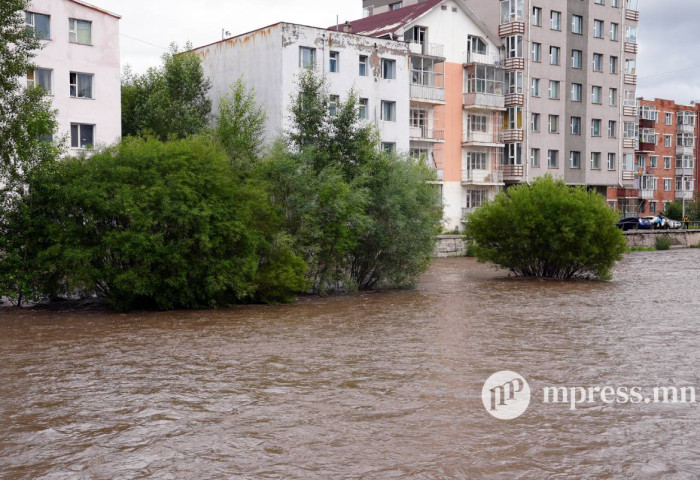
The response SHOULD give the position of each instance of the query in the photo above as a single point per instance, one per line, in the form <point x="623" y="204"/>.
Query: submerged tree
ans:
<point x="168" y="102"/>
<point x="547" y="229"/>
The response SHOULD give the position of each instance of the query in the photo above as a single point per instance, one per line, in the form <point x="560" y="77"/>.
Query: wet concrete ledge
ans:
<point x="679" y="238"/>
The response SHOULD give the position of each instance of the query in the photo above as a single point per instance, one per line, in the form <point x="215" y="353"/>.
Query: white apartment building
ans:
<point x="79" y="67"/>
<point x="270" y="59"/>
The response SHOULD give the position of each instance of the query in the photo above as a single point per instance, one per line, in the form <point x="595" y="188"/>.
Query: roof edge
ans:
<point x="93" y="7"/>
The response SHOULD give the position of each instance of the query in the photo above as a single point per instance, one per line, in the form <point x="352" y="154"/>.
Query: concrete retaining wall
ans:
<point x="450" y="246"/>
<point x="679" y="238"/>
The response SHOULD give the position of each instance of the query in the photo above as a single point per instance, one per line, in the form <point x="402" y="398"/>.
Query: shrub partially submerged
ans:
<point x="547" y="229"/>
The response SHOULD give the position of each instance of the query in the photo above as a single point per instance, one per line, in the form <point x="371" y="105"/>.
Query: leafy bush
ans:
<point x="674" y="211"/>
<point x="547" y="229"/>
<point x="663" y="242"/>
<point x="158" y="224"/>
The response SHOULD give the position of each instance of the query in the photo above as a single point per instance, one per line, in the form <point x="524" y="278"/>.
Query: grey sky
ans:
<point x="668" y="62"/>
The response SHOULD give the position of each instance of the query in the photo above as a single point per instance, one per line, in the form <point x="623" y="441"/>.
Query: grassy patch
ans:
<point x="663" y="242"/>
<point x="640" y="249"/>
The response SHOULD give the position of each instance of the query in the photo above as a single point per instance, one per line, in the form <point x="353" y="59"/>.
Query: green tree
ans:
<point x="674" y="211"/>
<point x="547" y="229"/>
<point x="158" y="224"/>
<point x="240" y="127"/>
<point x="168" y="102"/>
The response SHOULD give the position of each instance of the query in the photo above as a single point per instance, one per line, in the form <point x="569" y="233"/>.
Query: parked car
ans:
<point x="656" y="224"/>
<point x="674" y="224"/>
<point x="634" y="223"/>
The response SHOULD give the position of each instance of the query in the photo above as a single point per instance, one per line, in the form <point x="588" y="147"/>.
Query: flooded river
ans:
<point x="373" y="386"/>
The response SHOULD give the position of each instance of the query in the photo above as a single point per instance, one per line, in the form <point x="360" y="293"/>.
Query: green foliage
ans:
<point x="154" y="224"/>
<point x="663" y="242"/>
<point x="674" y="211"/>
<point x="547" y="229"/>
<point x="26" y="118"/>
<point x="641" y="249"/>
<point x="240" y="126"/>
<point x="167" y="102"/>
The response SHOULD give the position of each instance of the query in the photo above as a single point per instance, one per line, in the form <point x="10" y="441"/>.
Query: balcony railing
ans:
<point x="630" y="79"/>
<point x="683" y="150"/>
<point x="484" y="100"/>
<point x="684" y="171"/>
<point x="514" y="63"/>
<point x="484" y="58"/>
<point x="511" y="136"/>
<point x="511" y="28"/>
<point x="646" y="193"/>
<point x="631" y="47"/>
<point x="514" y="100"/>
<point x="686" y="128"/>
<point x="427" y="49"/>
<point x="427" y="93"/>
<point x="512" y="171"/>
<point x="632" y="15"/>
<point x="684" y="194"/>
<point x="425" y="133"/>
<point x="491" y="138"/>
<point x="482" y="177"/>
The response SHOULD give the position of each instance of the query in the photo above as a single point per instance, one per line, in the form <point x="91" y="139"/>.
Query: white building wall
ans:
<point x="100" y="59"/>
<point x="268" y="60"/>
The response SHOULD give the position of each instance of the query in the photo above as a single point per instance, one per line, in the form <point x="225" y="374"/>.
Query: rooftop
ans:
<point x="388" y="22"/>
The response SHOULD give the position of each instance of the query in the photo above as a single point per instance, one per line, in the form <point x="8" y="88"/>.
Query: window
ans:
<point x="553" y="125"/>
<point x="600" y="2"/>
<point x="554" y="89"/>
<point x="669" y="118"/>
<point x="576" y="58"/>
<point x="477" y="123"/>
<point x="81" y="85"/>
<point x="630" y="66"/>
<point x="576" y="92"/>
<point x="364" y="65"/>
<point x="307" y="57"/>
<point x="612" y="129"/>
<point x="554" y="55"/>
<point x="577" y="24"/>
<point x="597" y="62"/>
<point x="615" y="3"/>
<point x="537" y="16"/>
<point x="514" y="118"/>
<point x="535" y="122"/>
<point x="535" y="157"/>
<point x="614" y="32"/>
<point x="596" y="94"/>
<point x="612" y="97"/>
<point x="388" y="147"/>
<point x="388" y="111"/>
<point x="614" y="65"/>
<point x="334" y="62"/>
<point x="388" y="69"/>
<point x="475" y="44"/>
<point x="363" y="105"/>
<point x="575" y="125"/>
<point x="41" y="24"/>
<point x="553" y="159"/>
<point x="476" y="198"/>
<point x="667" y="184"/>
<point x="511" y="11"/>
<point x="333" y="105"/>
<point x="514" y="154"/>
<point x="535" y="87"/>
<point x="652" y="206"/>
<point x="41" y="77"/>
<point x="667" y="140"/>
<point x="395" y="5"/>
<point x="654" y="161"/>
<point x="611" y="161"/>
<point x="595" y="160"/>
<point x="536" y="52"/>
<point x="667" y="163"/>
<point x="514" y="81"/>
<point x="555" y="20"/>
<point x="686" y="118"/>
<point x="514" y="46"/>
<point x="630" y="130"/>
<point x="595" y="127"/>
<point x="631" y="34"/>
<point x="628" y="162"/>
<point x="81" y="135"/>
<point x="79" y="31"/>
<point x="598" y="28"/>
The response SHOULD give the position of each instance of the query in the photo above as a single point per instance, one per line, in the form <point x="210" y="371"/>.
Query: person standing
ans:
<point x="686" y="222"/>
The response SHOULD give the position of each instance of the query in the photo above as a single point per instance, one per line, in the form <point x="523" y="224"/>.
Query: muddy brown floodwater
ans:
<point x="374" y="386"/>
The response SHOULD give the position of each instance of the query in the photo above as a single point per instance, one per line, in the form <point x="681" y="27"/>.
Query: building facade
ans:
<point x="270" y="59"/>
<point x="666" y="155"/>
<point x="570" y="89"/>
<point x="79" y="67"/>
<point x="457" y="96"/>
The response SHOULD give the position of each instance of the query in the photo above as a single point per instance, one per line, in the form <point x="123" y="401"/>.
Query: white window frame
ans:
<point x="80" y="128"/>
<point x="73" y="31"/>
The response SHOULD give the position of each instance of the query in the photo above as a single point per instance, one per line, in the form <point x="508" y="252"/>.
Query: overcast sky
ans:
<point x="668" y="63"/>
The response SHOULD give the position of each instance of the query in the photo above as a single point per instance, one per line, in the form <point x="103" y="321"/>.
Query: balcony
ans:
<point x="684" y="194"/>
<point x="485" y="59"/>
<point x="428" y="94"/>
<point x="646" y="194"/>
<point x="684" y="171"/>
<point x="683" y="150"/>
<point x="484" y="139"/>
<point x="630" y="79"/>
<point x="628" y="175"/>
<point x="685" y="128"/>
<point x="511" y="136"/>
<point x="427" y="49"/>
<point x="632" y="15"/>
<point x="514" y="100"/>
<point x="482" y="177"/>
<point x="484" y="101"/>
<point x="425" y="134"/>
<point x="630" y="143"/>
<point x="631" y="47"/>
<point x="514" y="63"/>
<point x="513" y="172"/>
<point x="511" y="28"/>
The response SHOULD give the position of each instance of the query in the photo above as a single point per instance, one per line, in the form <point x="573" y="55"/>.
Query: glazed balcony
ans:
<point x="685" y="128"/>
